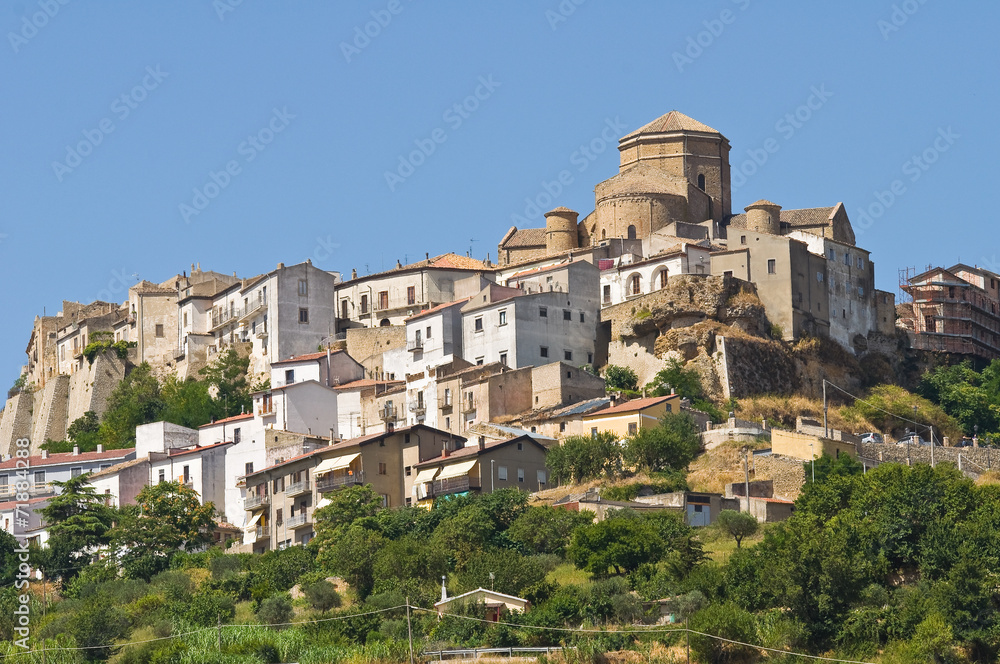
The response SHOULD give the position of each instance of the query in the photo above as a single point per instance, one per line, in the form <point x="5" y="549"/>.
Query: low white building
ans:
<point x="629" y="276"/>
<point x="44" y="469"/>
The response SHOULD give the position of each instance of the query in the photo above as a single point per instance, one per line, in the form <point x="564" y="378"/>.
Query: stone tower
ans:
<point x="560" y="230"/>
<point x="764" y="217"/>
<point x="673" y="170"/>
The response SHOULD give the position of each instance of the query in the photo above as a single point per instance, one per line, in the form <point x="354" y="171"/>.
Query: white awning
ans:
<point x="323" y="502"/>
<point x="252" y="524"/>
<point x="425" y="475"/>
<point x="457" y="469"/>
<point x="336" y="463"/>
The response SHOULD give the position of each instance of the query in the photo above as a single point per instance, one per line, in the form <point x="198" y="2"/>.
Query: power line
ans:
<point x="881" y="410"/>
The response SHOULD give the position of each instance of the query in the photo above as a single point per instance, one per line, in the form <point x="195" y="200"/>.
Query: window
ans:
<point x="427" y="334"/>
<point x="162" y="476"/>
<point x="607" y="294"/>
<point x="382" y="469"/>
<point x="833" y="254"/>
<point x="408" y="471"/>
<point x="187" y="474"/>
<point x="480" y="361"/>
<point x="76" y="472"/>
<point x="105" y="466"/>
<point x="503" y="358"/>
<point x="248" y="468"/>
<point x="520" y="475"/>
<point x="663" y="278"/>
<point x="289" y="376"/>
<point x="861" y="291"/>
<point x="447" y="423"/>
<point x="501" y="472"/>
<point x="727" y="273"/>
<point x="364" y="304"/>
<point x="701" y="181"/>
<point x="343" y="309"/>
<point x="583" y="317"/>
<point x="278" y="519"/>
<point x="385" y="499"/>
<point x="544" y="351"/>
<point x="562" y="426"/>
<point x="590" y="358"/>
<point x="632" y="428"/>
<point x="236" y="436"/>
<point x="303" y="315"/>
<point x="503" y="317"/>
<point x="159" y="330"/>
<point x="411" y="295"/>
<point x="567" y="314"/>
<point x="383" y="299"/>
<point x="771" y="266"/>
<point x="479" y="324"/>
<point x="303" y="288"/>
<point x="541" y="477"/>
<point x="847" y="258"/>
<point x="185" y="319"/>
<point x="278" y="485"/>
<point x="447" y="396"/>
<point x="543" y="312"/>
<point x="861" y="263"/>
<point x="670" y="408"/>
<point x="631" y="232"/>
<point x="568" y="355"/>
<point x="743" y="239"/>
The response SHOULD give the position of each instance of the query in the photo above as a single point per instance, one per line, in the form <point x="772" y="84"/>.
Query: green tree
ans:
<point x="83" y="432"/>
<point x="620" y="378"/>
<point x="228" y="375"/>
<point x="684" y="382"/>
<point x="544" y="529"/>
<point x="352" y="555"/>
<point x="581" y="458"/>
<point x="79" y="523"/>
<point x="276" y="610"/>
<point x="512" y="573"/>
<point x="346" y="506"/>
<point x="737" y="525"/>
<point x="188" y="402"/>
<point x="620" y="543"/>
<point x="322" y="595"/>
<point x="135" y="400"/>
<point x="970" y="397"/>
<point x="166" y="518"/>
<point x="671" y="445"/>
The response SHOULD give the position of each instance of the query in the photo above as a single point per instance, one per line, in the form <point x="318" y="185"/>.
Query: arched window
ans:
<point x="701" y="181"/>
<point x="631" y="232"/>
<point x="384" y="323"/>
<point x="663" y="278"/>
<point x="634" y="285"/>
<point x="604" y="233"/>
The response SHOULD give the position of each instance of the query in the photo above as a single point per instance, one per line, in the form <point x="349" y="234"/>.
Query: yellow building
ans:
<point x="807" y="447"/>
<point x="626" y="419"/>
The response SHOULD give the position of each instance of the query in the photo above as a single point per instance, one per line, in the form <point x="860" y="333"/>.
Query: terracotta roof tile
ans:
<point x="234" y="418"/>
<point x="672" y="121"/>
<point x="526" y="237"/>
<point x="68" y="457"/>
<point x="435" y="309"/>
<point x="634" y="405"/>
<point x="794" y="218"/>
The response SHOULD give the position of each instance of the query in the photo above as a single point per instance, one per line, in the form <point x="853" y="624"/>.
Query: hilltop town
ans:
<point x="761" y="329"/>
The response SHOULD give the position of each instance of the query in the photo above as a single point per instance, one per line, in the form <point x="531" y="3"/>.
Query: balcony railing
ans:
<point x="262" y="532"/>
<point x="254" y="501"/>
<point x="36" y="489"/>
<point x="469" y="405"/>
<point x="297" y="521"/>
<point x="297" y="488"/>
<point x="415" y="345"/>
<point x="418" y="407"/>
<point x="388" y="414"/>
<point x="224" y="317"/>
<point x="264" y="411"/>
<point x="452" y="485"/>
<point x="332" y="483"/>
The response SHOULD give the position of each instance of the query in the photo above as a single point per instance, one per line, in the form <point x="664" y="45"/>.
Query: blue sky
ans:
<point x="117" y="115"/>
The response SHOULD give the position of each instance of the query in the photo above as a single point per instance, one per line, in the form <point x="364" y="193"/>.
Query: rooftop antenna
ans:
<point x="470" y="246"/>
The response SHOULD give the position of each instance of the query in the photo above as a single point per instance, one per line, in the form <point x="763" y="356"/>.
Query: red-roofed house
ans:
<point x="627" y="418"/>
<point x="46" y="468"/>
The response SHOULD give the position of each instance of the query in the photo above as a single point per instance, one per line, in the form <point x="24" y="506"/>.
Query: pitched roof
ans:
<point x="307" y="357"/>
<point x="176" y="452"/>
<point x="367" y="382"/>
<point x="821" y="216"/>
<point x="234" y="418"/>
<point x="473" y="450"/>
<point x="634" y="405"/>
<point x="118" y="467"/>
<point x="762" y="203"/>
<point x="672" y="121"/>
<point x="433" y="310"/>
<point x="525" y="237"/>
<point x="68" y="457"/>
<point x="448" y="261"/>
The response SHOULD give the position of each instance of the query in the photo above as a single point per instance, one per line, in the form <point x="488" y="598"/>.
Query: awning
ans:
<point x="253" y="522"/>
<point x="336" y="463"/>
<point x="323" y="502"/>
<point x="425" y="475"/>
<point x="457" y="470"/>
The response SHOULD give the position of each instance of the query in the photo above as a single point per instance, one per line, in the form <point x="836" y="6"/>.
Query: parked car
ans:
<point x="871" y="438"/>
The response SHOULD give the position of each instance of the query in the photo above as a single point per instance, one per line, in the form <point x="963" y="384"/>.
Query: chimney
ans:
<point x="76" y="450"/>
<point x="482" y="443"/>
<point x="398" y="264"/>
<point x="45" y="454"/>
<point x="100" y="447"/>
<point x="354" y="273"/>
<point x="427" y="255"/>
<point x="281" y="266"/>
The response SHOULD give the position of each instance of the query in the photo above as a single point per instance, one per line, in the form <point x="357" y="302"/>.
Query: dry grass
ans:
<point x="744" y="298"/>
<point x="783" y="410"/>
<point x="989" y="477"/>
<point x="549" y="496"/>
<point x="713" y="470"/>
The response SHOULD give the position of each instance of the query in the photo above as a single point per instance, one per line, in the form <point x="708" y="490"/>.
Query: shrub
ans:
<point x="276" y="610"/>
<point x="620" y="378"/>
<point x="321" y="595"/>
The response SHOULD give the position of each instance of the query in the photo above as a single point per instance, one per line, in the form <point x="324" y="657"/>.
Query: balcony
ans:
<point x="254" y="501"/>
<point x="469" y="405"/>
<point x="297" y="521"/>
<point x="223" y="318"/>
<point x="388" y="414"/>
<point x="446" y="404"/>
<point x="9" y="491"/>
<point x="298" y="488"/>
<point x="415" y="345"/>
<point x="253" y="308"/>
<point x="262" y="533"/>
<point x="418" y="408"/>
<point x="187" y="483"/>
<point x="332" y="483"/>
<point x="452" y="485"/>
<point x="265" y="411"/>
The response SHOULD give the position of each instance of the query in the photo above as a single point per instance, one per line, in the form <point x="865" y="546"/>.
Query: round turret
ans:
<point x="763" y="217"/>
<point x="560" y="230"/>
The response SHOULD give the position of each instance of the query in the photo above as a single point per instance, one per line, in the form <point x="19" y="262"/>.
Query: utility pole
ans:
<point x="409" y="629"/>
<point x="932" y="446"/>
<point x="746" y="470"/>
<point x="826" y="428"/>
<point x="687" y="629"/>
